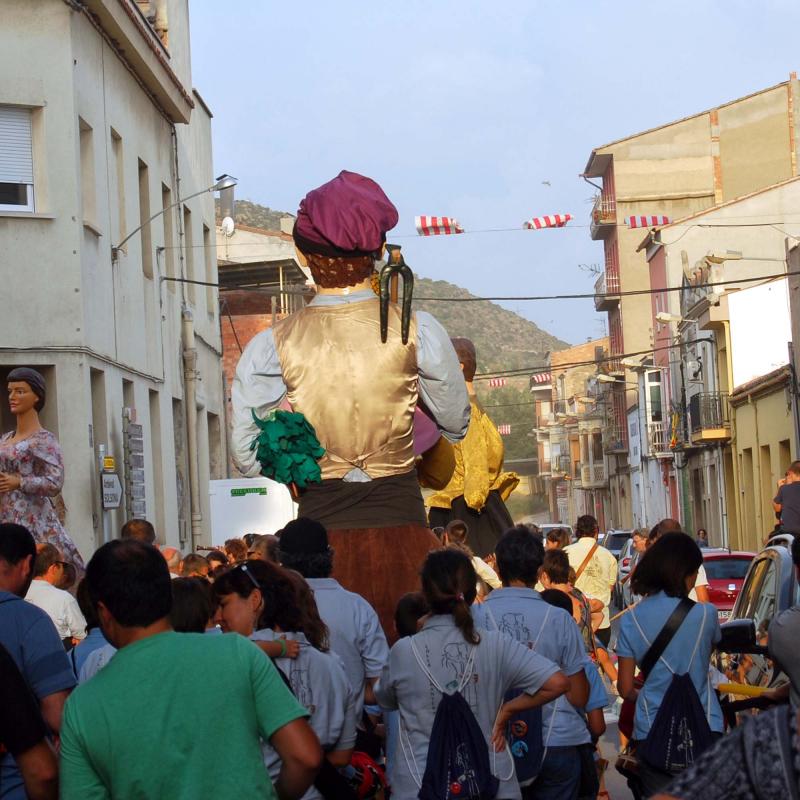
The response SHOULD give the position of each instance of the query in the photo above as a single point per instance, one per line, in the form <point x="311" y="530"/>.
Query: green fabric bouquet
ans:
<point x="287" y="448"/>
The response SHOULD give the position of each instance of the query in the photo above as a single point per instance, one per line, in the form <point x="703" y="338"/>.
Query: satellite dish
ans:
<point x="228" y="226"/>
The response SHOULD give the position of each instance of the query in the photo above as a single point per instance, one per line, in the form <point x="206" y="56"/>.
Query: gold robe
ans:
<point x="479" y="465"/>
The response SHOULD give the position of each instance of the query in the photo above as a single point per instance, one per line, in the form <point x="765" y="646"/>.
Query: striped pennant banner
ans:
<point x="437" y="226"/>
<point x="495" y="383"/>
<point x="504" y="430"/>
<point x="646" y="221"/>
<point x="549" y="221"/>
<point x="540" y="377"/>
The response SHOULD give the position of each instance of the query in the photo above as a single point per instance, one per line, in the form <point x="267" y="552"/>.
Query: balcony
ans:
<point x="710" y="415"/>
<point x="615" y="438"/>
<point x="560" y="408"/>
<point x="544" y="467"/>
<point x="593" y="476"/>
<point x="658" y="439"/>
<point x="606" y="291"/>
<point x="604" y="216"/>
<point x="562" y="465"/>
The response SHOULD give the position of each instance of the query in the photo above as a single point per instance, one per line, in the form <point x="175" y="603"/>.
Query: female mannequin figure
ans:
<point x="32" y="467"/>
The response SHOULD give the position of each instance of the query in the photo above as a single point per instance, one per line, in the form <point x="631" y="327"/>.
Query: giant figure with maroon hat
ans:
<point x="328" y="362"/>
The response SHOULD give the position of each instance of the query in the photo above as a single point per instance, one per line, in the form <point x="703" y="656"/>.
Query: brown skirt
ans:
<point x="381" y="564"/>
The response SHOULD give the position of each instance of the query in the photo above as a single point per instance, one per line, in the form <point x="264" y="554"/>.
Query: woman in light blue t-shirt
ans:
<point x="664" y="576"/>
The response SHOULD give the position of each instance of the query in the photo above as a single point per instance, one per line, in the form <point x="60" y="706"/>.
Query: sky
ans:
<point x="484" y="111"/>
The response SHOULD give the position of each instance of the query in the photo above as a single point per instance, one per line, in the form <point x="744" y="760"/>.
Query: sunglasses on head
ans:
<point x="243" y="568"/>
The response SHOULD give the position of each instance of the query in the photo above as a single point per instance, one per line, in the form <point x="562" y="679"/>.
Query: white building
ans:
<point x="100" y="129"/>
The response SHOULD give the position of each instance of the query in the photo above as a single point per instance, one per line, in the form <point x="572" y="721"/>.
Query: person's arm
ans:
<point x="626" y="669"/>
<point x="52" y="708"/>
<point x="441" y="382"/>
<point x="51" y="480"/>
<point x="78" y="776"/>
<point x="301" y="756"/>
<point x="556" y="685"/>
<point x="257" y="387"/>
<point x="572" y="658"/>
<point x="274" y="649"/>
<point x="75" y="620"/>
<point x="701" y="585"/>
<point x="372" y="645"/>
<point x="596" y="723"/>
<point x="39" y="769"/>
<point x="486" y="573"/>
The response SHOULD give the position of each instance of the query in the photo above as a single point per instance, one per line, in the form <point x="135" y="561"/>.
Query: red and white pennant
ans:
<point x="504" y="430"/>
<point x="646" y="221"/>
<point x="549" y="221"/>
<point x="496" y="383"/>
<point x="437" y="226"/>
<point x="540" y="377"/>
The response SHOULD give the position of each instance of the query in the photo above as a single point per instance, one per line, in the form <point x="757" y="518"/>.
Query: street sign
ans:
<point x="109" y="464"/>
<point x="138" y="508"/>
<point x="112" y="490"/>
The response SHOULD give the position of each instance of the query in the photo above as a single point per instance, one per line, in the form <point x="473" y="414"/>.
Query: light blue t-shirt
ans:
<point x="689" y="651"/>
<point x="598" y="696"/>
<point x="94" y="641"/>
<point x="355" y="633"/>
<point x="553" y="634"/>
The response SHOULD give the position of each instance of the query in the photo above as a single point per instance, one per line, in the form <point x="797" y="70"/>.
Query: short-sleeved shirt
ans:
<point x="94" y="641"/>
<point x="60" y="606"/>
<point x="500" y="663"/>
<point x="550" y="632"/>
<point x="598" y="696"/>
<point x="320" y="685"/>
<point x="789" y="499"/>
<point x="21" y="723"/>
<point x="681" y="656"/>
<point x="33" y="642"/>
<point x="598" y="576"/>
<point x="355" y="633"/>
<point x="782" y="642"/>
<point x="175" y="715"/>
<point x="701" y="580"/>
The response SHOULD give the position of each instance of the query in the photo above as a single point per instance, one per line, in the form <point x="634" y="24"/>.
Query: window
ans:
<point x="16" y="159"/>
<point x="188" y="245"/>
<point x="209" y="251"/>
<point x="169" y="234"/>
<point x="88" y="189"/>
<point x="146" y="232"/>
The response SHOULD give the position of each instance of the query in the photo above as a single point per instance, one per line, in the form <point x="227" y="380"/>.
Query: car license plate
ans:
<point x="724" y="614"/>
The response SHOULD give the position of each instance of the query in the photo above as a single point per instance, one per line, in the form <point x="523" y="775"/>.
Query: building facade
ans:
<point x="99" y="132"/>
<point x="676" y="170"/>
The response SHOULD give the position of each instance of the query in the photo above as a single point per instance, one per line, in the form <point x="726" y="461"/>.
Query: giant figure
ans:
<point x="327" y="361"/>
<point x="478" y="489"/>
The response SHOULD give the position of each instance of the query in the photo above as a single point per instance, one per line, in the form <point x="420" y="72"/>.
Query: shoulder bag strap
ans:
<point x="586" y="560"/>
<point x="665" y="635"/>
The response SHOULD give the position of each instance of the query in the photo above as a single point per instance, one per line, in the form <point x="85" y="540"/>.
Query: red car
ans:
<point x="725" y="571"/>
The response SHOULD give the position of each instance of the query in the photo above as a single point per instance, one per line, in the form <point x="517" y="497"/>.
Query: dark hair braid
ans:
<point x="448" y="582"/>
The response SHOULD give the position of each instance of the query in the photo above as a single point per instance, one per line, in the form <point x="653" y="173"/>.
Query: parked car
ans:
<point x="769" y="587"/>
<point x="549" y="526"/>
<point x="615" y="540"/>
<point x="725" y="571"/>
<point x="621" y="596"/>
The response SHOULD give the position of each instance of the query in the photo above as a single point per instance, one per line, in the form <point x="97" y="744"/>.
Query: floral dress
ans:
<point x="39" y="463"/>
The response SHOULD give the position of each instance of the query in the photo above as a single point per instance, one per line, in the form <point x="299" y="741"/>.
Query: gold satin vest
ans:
<point x="357" y="392"/>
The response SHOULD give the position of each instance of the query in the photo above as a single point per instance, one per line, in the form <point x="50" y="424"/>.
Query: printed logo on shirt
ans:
<point x="513" y="625"/>
<point x="301" y="686"/>
<point x="454" y="658"/>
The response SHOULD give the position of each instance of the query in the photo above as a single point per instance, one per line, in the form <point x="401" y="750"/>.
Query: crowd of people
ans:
<point x="144" y="683"/>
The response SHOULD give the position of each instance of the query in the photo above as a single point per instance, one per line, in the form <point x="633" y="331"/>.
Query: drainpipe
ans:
<point x="737" y="500"/>
<point x="190" y="399"/>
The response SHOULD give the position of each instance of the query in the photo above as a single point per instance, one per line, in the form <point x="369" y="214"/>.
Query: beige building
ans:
<point x="569" y="431"/>
<point x="677" y="170"/>
<point x="100" y="130"/>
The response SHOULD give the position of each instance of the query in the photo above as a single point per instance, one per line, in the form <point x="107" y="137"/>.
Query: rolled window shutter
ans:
<point x="16" y="158"/>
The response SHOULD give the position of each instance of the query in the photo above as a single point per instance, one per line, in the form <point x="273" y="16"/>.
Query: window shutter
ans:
<point x="16" y="159"/>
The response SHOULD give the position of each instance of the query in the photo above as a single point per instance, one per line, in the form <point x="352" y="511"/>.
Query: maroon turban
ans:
<point x="348" y="216"/>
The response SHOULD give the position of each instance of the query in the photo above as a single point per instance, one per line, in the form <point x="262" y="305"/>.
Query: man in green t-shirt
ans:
<point x="176" y="715"/>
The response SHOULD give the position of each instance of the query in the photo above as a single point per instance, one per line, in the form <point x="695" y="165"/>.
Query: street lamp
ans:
<point x="222" y="182"/>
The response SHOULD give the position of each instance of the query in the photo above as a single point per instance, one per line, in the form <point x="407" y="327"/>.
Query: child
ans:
<point x="455" y="535"/>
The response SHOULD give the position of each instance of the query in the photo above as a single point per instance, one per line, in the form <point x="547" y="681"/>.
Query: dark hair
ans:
<point x="216" y="555"/>
<point x="519" y="555"/>
<point x="281" y="598"/>
<point x="139" y="529"/>
<point x="586" y="526"/>
<point x="309" y="565"/>
<point x="191" y="563"/>
<point x="131" y="579"/>
<point x="448" y="582"/>
<point x="86" y="606"/>
<point x="796" y="551"/>
<point x="191" y="607"/>
<point x="666" y="564"/>
<point x="46" y="555"/>
<point x="667" y="525"/>
<point x="249" y="538"/>
<point x="236" y="548"/>
<point x="557" y="598"/>
<point x="556" y="565"/>
<point x="267" y="546"/>
<point x="315" y="629"/>
<point x="411" y="607"/>
<point x="558" y="535"/>
<point x="68" y="576"/>
<point x="455" y="535"/>
<point x="465" y="350"/>
<point x="16" y="543"/>
<point x="794" y="468"/>
<point x="702" y="530"/>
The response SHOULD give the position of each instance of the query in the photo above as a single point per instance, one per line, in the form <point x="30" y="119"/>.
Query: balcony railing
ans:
<point x="562" y="464"/>
<point x="544" y="467"/>
<point x="710" y="415"/>
<point x="615" y="438"/>
<point x="560" y="407"/>
<point x="593" y="475"/>
<point x="604" y="214"/>
<point x="606" y="290"/>
<point x="658" y="439"/>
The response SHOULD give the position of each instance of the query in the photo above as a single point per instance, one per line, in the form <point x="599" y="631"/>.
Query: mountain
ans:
<point x="255" y="215"/>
